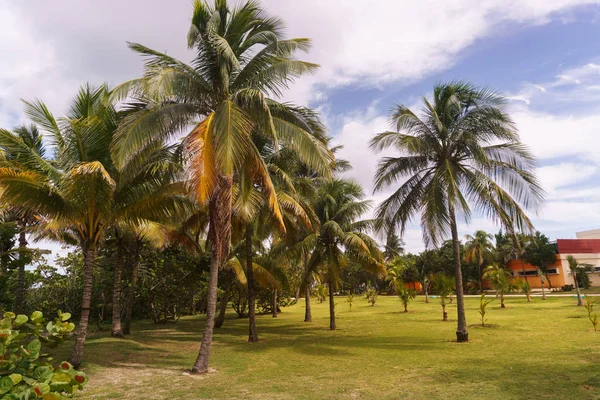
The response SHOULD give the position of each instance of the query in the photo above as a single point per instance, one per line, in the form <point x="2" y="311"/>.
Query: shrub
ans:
<point x="350" y="299"/>
<point x="567" y="288"/>
<point x="26" y="372"/>
<point x="583" y="281"/>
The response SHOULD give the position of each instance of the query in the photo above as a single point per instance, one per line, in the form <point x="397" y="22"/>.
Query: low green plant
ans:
<point x="371" y="296"/>
<point x="526" y="288"/>
<point x="350" y="299"/>
<point x="25" y="372"/>
<point x="406" y="295"/>
<point x="483" y="303"/>
<point x="589" y="306"/>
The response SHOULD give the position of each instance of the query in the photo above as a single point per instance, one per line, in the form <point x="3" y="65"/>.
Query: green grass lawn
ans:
<point x="541" y="350"/>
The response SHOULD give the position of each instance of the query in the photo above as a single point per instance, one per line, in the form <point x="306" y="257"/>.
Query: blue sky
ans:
<point x="544" y="55"/>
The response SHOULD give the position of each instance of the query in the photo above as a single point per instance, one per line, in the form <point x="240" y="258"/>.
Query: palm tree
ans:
<point x="443" y="285"/>
<point x="462" y="152"/>
<point x="241" y="59"/>
<point x="478" y="248"/>
<point x="501" y="280"/>
<point x="341" y="236"/>
<point x="394" y="247"/>
<point x="395" y="273"/>
<point x="78" y="194"/>
<point x="575" y="266"/>
<point x="541" y="254"/>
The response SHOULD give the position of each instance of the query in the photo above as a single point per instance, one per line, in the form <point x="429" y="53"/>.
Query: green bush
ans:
<point x="27" y="373"/>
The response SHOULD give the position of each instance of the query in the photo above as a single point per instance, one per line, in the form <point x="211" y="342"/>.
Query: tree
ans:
<point x="395" y="272"/>
<point x="463" y="152"/>
<point x="241" y="58"/>
<point x="406" y="295"/>
<point x="479" y="249"/>
<point x="575" y="267"/>
<point x="443" y="285"/>
<point x="394" y="247"/>
<point x="341" y="236"/>
<point x="79" y="194"/>
<point x="511" y="246"/>
<point x="501" y="281"/>
<point x="541" y="254"/>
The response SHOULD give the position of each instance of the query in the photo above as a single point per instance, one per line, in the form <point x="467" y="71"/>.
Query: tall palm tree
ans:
<point x="462" y="152"/>
<point x="241" y="59"/>
<point x="78" y="193"/>
<point x="341" y="236"/>
<point x="394" y="247"/>
<point x="479" y="248"/>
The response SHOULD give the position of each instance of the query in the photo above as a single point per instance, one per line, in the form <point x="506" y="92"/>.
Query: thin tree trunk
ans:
<point x="274" y="302"/>
<point x="220" y="235"/>
<point x="502" y="301"/>
<point x="252" y="333"/>
<point x="405" y="307"/>
<point x="523" y="268"/>
<point x="579" y="301"/>
<point x="20" y="292"/>
<point x="529" y="297"/>
<point x="481" y="278"/>
<point x="132" y="288"/>
<point x="331" y="306"/>
<point x="543" y="290"/>
<point x="444" y="312"/>
<point x="307" y="311"/>
<point x="224" y="301"/>
<point x="89" y="259"/>
<point x="426" y="294"/>
<point x="117" y="331"/>
<point x="461" y="332"/>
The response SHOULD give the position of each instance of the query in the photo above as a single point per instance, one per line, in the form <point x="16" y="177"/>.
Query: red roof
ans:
<point x="578" y="246"/>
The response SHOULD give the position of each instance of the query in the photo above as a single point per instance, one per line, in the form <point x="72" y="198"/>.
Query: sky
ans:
<point x="543" y="55"/>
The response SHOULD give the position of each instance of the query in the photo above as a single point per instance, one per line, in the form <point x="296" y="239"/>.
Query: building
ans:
<point x="586" y="249"/>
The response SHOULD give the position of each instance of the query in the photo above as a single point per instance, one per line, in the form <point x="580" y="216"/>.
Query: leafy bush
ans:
<point x="25" y="372"/>
<point x="567" y="288"/>
<point x="350" y="299"/>
<point x="583" y="281"/>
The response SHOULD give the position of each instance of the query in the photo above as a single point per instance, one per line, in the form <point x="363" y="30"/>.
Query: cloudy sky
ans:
<point x="544" y="55"/>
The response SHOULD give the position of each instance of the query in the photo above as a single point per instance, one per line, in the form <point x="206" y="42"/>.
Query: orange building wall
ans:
<point x="557" y="280"/>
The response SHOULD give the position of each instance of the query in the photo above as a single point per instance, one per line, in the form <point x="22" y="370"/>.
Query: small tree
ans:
<point x="406" y="295"/>
<point x="575" y="267"/>
<point x="541" y="254"/>
<point x="350" y="300"/>
<point x="501" y="281"/>
<point x="322" y="292"/>
<point x="589" y="306"/>
<point x="444" y="287"/>
<point x="483" y="303"/>
<point x="371" y="296"/>
<point x="526" y="288"/>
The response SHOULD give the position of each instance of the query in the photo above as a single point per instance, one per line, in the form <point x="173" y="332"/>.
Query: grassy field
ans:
<point x="542" y="350"/>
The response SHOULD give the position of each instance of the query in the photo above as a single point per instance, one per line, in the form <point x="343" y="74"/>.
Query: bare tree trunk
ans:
<point x="481" y="278"/>
<point x="444" y="312"/>
<point x="461" y="332"/>
<point x="252" y="333"/>
<point x="224" y="301"/>
<point x="405" y="307"/>
<point x="117" y="331"/>
<point x="331" y="306"/>
<point x="579" y="301"/>
<point x="543" y="289"/>
<point x="20" y="292"/>
<point x="502" y="300"/>
<point x="426" y="295"/>
<point x="132" y="288"/>
<point x="89" y="259"/>
<point x="307" y="311"/>
<point x="523" y="268"/>
<point x="274" y="302"/>
<point x="220" y="235"/>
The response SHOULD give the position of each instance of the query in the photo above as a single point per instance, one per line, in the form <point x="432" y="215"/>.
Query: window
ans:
<point x="533" y="272"/>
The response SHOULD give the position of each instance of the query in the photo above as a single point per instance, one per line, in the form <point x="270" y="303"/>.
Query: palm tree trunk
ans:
<point x="117" y="331"/>
<point x="274" y="302"/>
<point x="426" y="293"/>
<point x="523" y="268"/>
<point x="461" y="332"/>
<point x="252" y="333"/>
<point x="132" y="288"/>
<point x="502" y="300"/>
<point x="579" y="301"/>
<point x="89" y="259"/>
<point x="444" y="312"/>
<point x="543" y="290"/>
<point x="331" y="306"/>
<point x="220" y="235"/>
<point x="307" y="311"/>
<point x="405" y="307"/>
<point x="481" y="278"/>
<point x="20" y="292"/>
<point x="224" y="301"/>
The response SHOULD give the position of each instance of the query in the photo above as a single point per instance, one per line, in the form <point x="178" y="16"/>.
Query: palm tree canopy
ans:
<point x="462" y="152"/>
<point x="226" y="95"/>
<point x="478" y="247"/>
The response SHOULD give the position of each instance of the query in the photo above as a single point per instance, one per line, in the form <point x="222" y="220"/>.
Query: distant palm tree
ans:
<point x="463" y="152"/>
<point x="479" y="248"/>
<point x="394" y="247"/>
<point x="443" y="285"/>
<point x="341" y="236"/>
<point x="242" y="62"/>
<point x="501" y="281"/>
